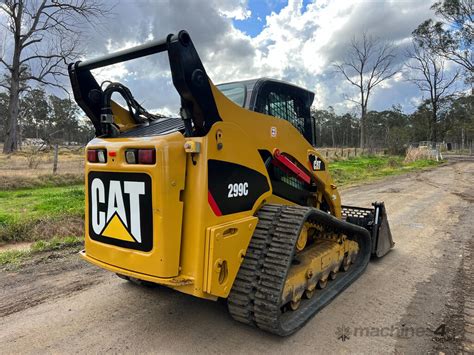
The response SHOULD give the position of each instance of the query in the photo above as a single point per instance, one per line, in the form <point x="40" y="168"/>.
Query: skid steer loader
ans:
<point x="230" y="200"/>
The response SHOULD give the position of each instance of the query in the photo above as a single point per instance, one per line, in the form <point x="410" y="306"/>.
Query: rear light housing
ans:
<point x="140" y="156"/>
<point x="97" y="155"/>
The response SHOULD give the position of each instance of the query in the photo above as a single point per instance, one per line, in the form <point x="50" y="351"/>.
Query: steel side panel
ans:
<point x="167" y="180"/>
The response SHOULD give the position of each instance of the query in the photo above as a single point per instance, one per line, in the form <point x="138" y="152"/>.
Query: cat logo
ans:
<point x="120" y="209"/>
<point x="315" y="163"/>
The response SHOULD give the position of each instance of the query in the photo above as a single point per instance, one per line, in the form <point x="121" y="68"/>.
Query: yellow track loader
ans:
<point x="230" y="200"/>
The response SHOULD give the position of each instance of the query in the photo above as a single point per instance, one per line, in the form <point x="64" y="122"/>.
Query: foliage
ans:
<point x="332" y="130"/>
<point x="366" y="168"/>
<point x="452" y="35"/>
<point x="41" y="37"/>
<point x="427" y="71"/>
<point x="51" y="118"/>
<point x="394" y="130"/>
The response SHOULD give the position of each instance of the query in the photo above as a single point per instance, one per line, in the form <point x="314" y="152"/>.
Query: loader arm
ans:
<point x="188" y="74"/>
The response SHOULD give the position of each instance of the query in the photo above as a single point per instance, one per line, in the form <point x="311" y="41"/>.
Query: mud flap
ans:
<point x="376" y="222"/>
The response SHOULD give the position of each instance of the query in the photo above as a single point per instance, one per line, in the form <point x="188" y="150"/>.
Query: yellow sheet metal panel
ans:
<point x="171" y="282"/>
<point x="270" y="133"/>
<point x="198" y="215"/>
<point x="110" y="241"/>
<point x="122" y="117"/>
<point x="226" y="244"/>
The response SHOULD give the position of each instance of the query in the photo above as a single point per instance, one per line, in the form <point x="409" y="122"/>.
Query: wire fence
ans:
<point x="345" y="152"/>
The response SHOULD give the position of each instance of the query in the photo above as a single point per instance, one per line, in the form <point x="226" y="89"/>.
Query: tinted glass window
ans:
<point x="234" y="92"/>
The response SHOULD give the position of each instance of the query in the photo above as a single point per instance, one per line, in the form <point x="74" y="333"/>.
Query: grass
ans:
<point x="16" y="257"/>
<point x="368" y="168"/>
<point x="33" y="214"/>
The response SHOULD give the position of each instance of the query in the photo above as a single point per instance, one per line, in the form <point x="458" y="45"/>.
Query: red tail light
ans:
<point x="140" y="156"/>
<point x="92" y="156"/>
<point x="146" y="156"/>
<point x="96" y="155"/>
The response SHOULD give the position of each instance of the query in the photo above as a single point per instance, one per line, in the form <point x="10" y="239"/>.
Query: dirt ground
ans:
<point x="58" y="304"/>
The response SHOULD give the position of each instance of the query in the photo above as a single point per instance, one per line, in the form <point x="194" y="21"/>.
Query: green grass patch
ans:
<point x="367" y="168"/>
<point x="13" y="256"/>
<point x="33" y="214"/>
<point x="16" y="257"/>
<point x="31" y="203"/>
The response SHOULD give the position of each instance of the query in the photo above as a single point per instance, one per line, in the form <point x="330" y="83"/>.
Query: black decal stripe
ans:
<point x="222" y="173"/>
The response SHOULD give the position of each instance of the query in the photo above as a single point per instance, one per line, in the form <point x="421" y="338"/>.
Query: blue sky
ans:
<point x="260" y="9"/>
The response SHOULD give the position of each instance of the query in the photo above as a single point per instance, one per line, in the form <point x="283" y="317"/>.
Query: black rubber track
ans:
<point x="255" y="298"/>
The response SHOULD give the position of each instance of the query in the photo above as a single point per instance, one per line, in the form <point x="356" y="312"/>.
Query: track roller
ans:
<point x="256" y="297"/>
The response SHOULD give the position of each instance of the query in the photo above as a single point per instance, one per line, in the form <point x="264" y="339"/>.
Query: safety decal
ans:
<point x="120" y="209"/>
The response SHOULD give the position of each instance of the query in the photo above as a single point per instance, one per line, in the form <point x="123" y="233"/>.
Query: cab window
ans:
<point x="234" y="91"/>
<point x="284" y="106"/>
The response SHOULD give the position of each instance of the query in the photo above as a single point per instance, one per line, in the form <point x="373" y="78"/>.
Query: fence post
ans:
<point x="55" y="161"/>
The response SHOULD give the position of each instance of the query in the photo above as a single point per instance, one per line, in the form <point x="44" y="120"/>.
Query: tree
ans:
<point x="332" y="130"/>
<point x="34" y="118"/>
<point x="64" y="115"/>
<point x="460" y="120"/>
<point x="427" y="72"/>
<point x="369" y="62"/>
<point x="388" y="129"/>
<point x="44" y="35"/>
<point x="453" y="36"/>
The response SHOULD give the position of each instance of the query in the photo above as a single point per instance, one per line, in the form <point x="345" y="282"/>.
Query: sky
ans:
<point x="294" y="40"/>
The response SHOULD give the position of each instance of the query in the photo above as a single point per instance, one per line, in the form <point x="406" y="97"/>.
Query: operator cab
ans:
<point x="276" y="98"/>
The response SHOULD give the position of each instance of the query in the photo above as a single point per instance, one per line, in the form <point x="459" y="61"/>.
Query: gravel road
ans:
<point x="59" y="304"/>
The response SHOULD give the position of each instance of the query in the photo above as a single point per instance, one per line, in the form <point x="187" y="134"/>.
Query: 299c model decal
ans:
<point x="120" y="209"/>
<point x="233" y="188"/>
<point x="237" y="190"/>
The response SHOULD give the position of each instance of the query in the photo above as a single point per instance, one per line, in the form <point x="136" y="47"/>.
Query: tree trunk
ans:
<point x="433" y="122"/>
<point x="332" y="135"/>
<point x="362" y="127"/>
<point x="55" y="161"/>
<point x="11" y="136"/>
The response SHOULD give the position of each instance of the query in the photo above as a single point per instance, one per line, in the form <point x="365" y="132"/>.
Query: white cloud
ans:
<point x="297" y="44"/>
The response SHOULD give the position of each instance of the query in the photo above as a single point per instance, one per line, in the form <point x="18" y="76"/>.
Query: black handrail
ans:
<point x="142" y="50"/>
<point x="188" y="74"/>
